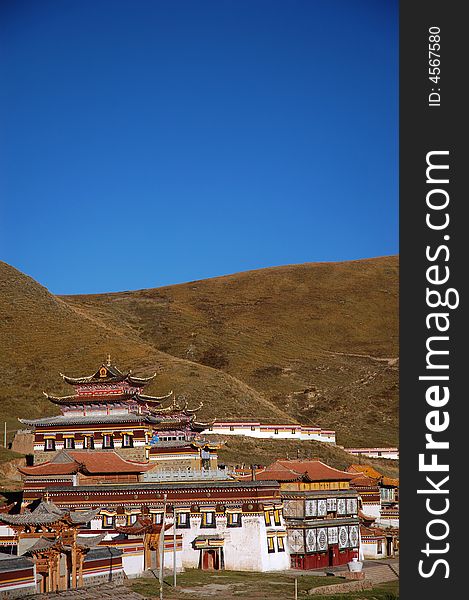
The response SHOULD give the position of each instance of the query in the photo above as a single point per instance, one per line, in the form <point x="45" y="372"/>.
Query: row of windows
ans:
<point x="232" y="428"/>
<point x="88" y="442"/>
<point x="271" y="543"/>
<point x="182" y="520"/>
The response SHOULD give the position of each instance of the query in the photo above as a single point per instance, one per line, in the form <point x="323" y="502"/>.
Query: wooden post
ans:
<point x="58" y="571"/>
<point x="74" y="566"/>
<point x="80" y="570"/>
<point x="174" y="547"/>
<point x="296" y="588"/>
<point x="161" y="546"/>
<point x="51" y="578"/>
<point x="145" y="551"/>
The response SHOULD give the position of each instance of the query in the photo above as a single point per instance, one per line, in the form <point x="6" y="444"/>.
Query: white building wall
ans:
<point x="387" y="522"/>
<point x="390" y="453"/>
<point x="372" y="510"/>
<point x="6" y="531"/>
<point x="369" y="548"/>
<point x="245" y="547"/>
<point x="133" y="564"/>
<point x="289" y="432"/>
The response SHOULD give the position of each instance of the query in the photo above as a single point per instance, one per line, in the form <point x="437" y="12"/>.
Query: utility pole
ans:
<point x="5" y="435"/>
<point x="161" y="544"/>
<point x="174" y="546"/>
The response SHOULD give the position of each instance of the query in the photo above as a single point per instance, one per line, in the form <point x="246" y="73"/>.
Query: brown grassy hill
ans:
<point x="320" y="341"/>
<point x="42" y="335"/>
<point x="239" y="450"/>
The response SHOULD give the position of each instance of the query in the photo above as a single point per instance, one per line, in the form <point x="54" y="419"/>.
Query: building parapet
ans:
<point x="187" y="475"/>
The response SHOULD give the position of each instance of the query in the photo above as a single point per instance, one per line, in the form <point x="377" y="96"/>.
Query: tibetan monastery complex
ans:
<point x="122" y="482"/>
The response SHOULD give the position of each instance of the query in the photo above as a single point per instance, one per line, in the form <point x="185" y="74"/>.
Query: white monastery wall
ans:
<point x="258" y="430"/>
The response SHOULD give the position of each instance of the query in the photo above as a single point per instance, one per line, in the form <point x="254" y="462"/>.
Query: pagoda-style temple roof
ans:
<point x="91" y="420"/>
<point x="83" y="399"/>
<point x="47" y="513"/>
<point x="44" y="544"/>
<point x="109" y="390"/>
<point x="109" y="373"/>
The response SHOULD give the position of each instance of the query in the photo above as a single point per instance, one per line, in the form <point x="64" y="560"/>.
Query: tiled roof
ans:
<point x="47" y="513"/>
<point x="142" y="525"/>
<point x="92" y="462"/>
<point x="388" y="481"/>
<point x="107" y="462"/>
<point x="84" y="399"/>
<point x="92" y="419"/>
<point x="126" y="396"/>
<point x="371" y="531"/>
<point x="112" y="375"/>
<point x="194" y="485"/>
<point x="297" y="470"/>
<point x="9" y="562"/>
<point x="49" y="468"/>
<point x="361" y="480"/>
<point x="366" y="470"/>
<point x="85" y="516"/>
<point x="100" y="552"/>
<point x="41" y="544"/>
<point x="90" y="541"/>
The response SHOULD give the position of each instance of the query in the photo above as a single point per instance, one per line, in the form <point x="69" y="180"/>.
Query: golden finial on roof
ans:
<point x="108" y="360"/>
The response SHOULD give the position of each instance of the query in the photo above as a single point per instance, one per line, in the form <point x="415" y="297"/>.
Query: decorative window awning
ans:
<point x="206" y="542"/>
<point x="49" y="437"/>
<point x="281" y="534"/>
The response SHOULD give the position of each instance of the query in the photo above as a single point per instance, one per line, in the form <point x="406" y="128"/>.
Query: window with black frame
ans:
<point x="233" y="519"/>
<point x="183" y="520"/>
<point x="208" y="520"/>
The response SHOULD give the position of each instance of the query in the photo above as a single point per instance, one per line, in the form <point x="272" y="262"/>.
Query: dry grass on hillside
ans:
<point x="314" y="343"/>
<point x="240" y="450"/>
<point x="41" y="335"/>
<point x="320" y="341"/>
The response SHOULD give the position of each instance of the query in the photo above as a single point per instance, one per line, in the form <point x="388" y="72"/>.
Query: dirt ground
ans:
<point x="200" y="585"/>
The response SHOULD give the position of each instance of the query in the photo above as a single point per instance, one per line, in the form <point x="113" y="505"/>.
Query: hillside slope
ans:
<point x="319" y="341"/>
<point x="42" y="335"/>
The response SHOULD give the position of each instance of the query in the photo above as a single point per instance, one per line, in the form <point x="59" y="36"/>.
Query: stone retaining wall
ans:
<point x="342" y="588"/>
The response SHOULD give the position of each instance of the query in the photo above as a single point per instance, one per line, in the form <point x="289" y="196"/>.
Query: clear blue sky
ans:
<point x="145" y="143"/>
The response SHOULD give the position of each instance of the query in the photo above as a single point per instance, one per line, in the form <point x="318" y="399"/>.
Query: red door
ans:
<point x="210" y="560"/>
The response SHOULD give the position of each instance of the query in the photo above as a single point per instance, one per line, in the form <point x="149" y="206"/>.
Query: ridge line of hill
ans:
<point x="307" y="343"/>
